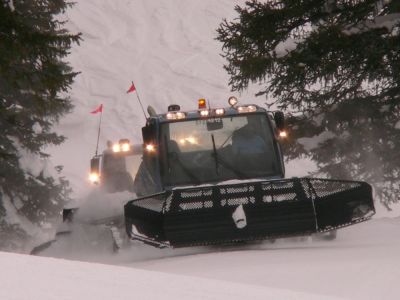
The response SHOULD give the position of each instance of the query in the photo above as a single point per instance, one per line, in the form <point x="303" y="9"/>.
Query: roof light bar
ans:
<point x="247" y="108"/>
<point x="219" y="111"/>
<point x="116" y="148"/>
<point x="204" y="113"/>
<point x="122" y="146"/>
<point x="176" y="115"/>
<point x="125" y="147"/>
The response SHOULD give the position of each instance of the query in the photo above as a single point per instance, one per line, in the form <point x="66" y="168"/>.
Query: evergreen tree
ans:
<point x="335" y="66"/>
<point x="34" y="81"/>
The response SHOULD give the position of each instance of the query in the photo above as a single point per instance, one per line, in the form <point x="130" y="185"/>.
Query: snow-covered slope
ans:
<point x="36" y="278"/>
<point x="362" y="263"/>
<point x="167" y="48"/>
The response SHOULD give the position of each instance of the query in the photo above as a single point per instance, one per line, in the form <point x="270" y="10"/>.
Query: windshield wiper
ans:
<point x="221" y="161"/>
<point x="167" y="153"/>
<point x="215" y="153"/>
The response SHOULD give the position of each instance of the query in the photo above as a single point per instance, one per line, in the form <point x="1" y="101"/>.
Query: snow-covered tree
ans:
<point x="335" y="66"/>
<point x="34" y="81"/>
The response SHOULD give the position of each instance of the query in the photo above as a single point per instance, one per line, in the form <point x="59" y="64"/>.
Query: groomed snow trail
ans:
<point x="37" y="278"/>
<point x="362" y="263"/>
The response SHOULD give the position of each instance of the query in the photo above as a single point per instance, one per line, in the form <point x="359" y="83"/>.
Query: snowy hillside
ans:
<point x="168" y="49"/>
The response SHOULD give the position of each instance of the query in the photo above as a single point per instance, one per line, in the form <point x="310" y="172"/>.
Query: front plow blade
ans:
<point x="247" y="211"/>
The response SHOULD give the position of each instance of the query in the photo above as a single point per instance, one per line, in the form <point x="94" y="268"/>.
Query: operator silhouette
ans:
<point x="248" y="139"/>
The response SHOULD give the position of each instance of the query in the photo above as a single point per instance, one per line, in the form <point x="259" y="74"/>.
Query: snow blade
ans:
<point x="254" y="210"/>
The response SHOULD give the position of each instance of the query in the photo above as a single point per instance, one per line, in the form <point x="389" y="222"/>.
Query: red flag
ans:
<point x="97" y="110"/>
<point x="131" y="89"/>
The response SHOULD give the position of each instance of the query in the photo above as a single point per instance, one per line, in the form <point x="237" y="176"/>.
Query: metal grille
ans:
<point x="196" y="193"/>
<point x="154" y="202"/>
<point x="267" y="192"/>
<point x="196" y="205"/>
<point x="274" y="208"/>
<point x="237" y="201"/>
<point x="324" y="187"/>
<point x="278" y="191"/>
<point x="237" y="189"/>
<point x="198" y="198"/>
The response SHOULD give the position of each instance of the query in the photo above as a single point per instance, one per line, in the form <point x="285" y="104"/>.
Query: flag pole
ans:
<point x="140" y="102"/>
<point x="98" y="133"/>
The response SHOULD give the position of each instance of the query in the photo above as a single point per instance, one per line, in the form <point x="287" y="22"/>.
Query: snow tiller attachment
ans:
<point x="218" y="214"/>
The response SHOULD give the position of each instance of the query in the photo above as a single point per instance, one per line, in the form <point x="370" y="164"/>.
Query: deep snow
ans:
<point x="168" y="49"/>
<point x="38" y="278"/>
<point x="362" y="263"/>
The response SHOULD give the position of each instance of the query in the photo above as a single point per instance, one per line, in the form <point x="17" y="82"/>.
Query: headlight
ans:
<point x="125" y="147"/>
<point x="150" y="148"/>
<point x="116" y="148"/>
<point x="94" y="177"/>
<point x="282" y="134"/>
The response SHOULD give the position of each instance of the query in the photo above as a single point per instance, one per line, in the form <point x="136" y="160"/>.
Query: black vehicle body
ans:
<point x="203" y="189"/>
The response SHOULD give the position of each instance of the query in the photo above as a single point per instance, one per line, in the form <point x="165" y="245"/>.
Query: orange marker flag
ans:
<point x="131" y="89"/>
<point x="97" y="110"/>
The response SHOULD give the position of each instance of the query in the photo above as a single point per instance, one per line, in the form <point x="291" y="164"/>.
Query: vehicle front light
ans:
<point x="94" y="178"/>
<point x="125" y="147"/>
<point x="247" y="108"/>
<point x="175" y="115"/>
<point x="282" y="134"/>
<point x="204" y="113"/>
<point x="150" y="148"/>
<point x="116" y="148"/>
<point x="219" y="111"/>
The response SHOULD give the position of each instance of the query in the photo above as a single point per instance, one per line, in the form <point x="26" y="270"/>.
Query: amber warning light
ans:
<point x="202" y="103"/>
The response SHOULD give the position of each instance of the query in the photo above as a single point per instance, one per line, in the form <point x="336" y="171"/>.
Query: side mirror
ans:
<point x="94" y="176"/>
<point x="149" y="134"/>
<point x="279" y="118"/>
<point x="95" y="165"/>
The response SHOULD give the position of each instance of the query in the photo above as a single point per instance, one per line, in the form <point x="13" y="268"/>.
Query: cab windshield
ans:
<point x="218" y="149"/>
